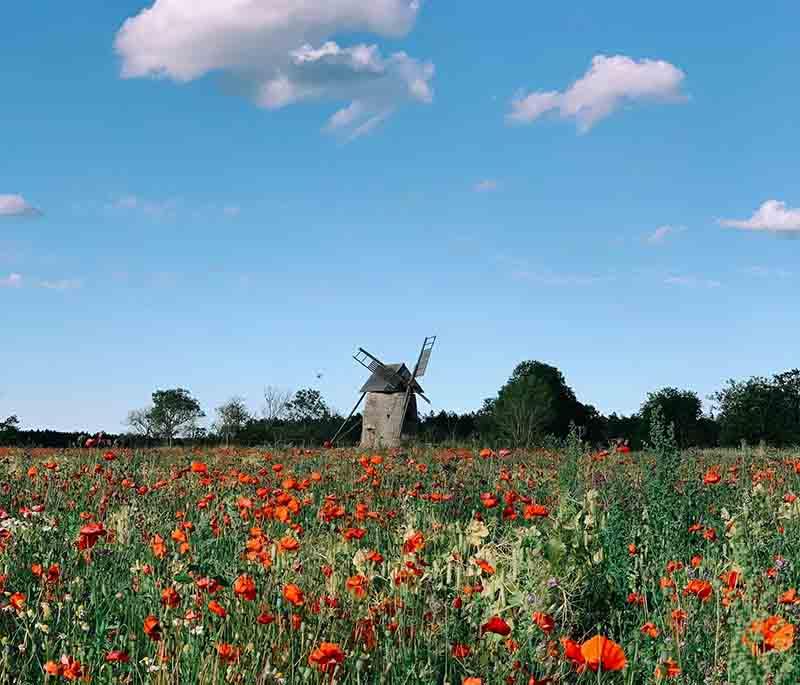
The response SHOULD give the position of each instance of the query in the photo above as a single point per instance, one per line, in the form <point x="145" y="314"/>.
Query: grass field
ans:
<point x="417" y="566"/>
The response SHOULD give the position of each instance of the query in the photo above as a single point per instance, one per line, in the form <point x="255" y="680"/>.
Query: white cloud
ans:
<point x="282" y="52"/>
<point x="11" y="281"/>
<point x="662" y="233"/>
<point x="16" y="205"/>
<point x="486" y="186"/>
<point x="768" y="272"/>
<point x="608" y="83"/>
<point x="64" y="284"/>
<point x="134" y="203"/>
<point x="232" y="211"/>
<point x="773" y="216"/>
<point x="692" y="282"/>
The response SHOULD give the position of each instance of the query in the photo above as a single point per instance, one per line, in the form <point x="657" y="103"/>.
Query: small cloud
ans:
<point x="767" y="272"/>
<point x="692" y="282"/>
<point x="662" y="233"/>
<point x="11" y="281"/>
<point x="134" y="203"/>
<point x="554" y="279"/>
<point x="64" y="284"/>
<point x="232" y="211"/>
<point x="609" y="82"/>
<point x="16" y="206"/>
<point x="487" y="185"/>
<point x="773" y="216"/>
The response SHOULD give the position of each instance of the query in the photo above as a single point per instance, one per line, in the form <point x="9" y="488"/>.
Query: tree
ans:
<point x="760" y="408"/>
<point x="526" y="405"/>
<point x="681" y="408"/>
<point x="232" y="417"/>
<point x="537" y="401"/>
<point x="276" y="402"/>
<point x="173" y="412"/>
<point x="9" y="429"/>
<point x="307" y="405"/>
<point x="140" y="422"/>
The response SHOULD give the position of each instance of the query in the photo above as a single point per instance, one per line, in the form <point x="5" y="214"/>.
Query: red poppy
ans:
<point x="496" y="625"/>
<point x="244" y="586"/>
<point x="293" y="594"/>
<point x="152" y="628"/>
<point x="327" y="657"/>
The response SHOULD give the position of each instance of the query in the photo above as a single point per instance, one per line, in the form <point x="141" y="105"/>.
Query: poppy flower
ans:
<point x="544" y="621"/>
<point x="227" y="652"/>
<point x="414" y="543"/>
<point x="17" y="601"/>
<point x="288" y="544"/>
<point x="152" y="628"/>
<point x="485" y="566"/>
<point x="326" y="657"/>
<point x="158" y="546"/>
<point x="650" y="630"/>
<point x="460" y="651"/>
<point x="496" y="625"/>
<point x="771" y="634"/>
<point x="244" y="586"/>
<point x="117" y="657"/>
<point x="216" y="608"/>
<point x="472" y="681"/>
<point x="669" y="669"/>
<point x="170" y="597"/>
<point x="90" y="534"/>
<point x="701" y="589"/>
<point x="712" y="476"/>
<point x="67" y="667"/>
<point x="357" y="586"/>
<point x="293" y="594"/>
<point x="532" y="511"/>
<point x="597" y="654"/>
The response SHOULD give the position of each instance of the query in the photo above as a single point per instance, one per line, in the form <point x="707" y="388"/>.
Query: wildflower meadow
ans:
<point x="426" y="565"/>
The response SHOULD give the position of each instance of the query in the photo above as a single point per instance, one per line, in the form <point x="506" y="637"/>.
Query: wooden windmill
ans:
<point x="390" y="412"/>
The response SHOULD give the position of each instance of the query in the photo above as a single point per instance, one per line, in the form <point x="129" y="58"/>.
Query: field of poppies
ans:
<point x="425" y="565"/>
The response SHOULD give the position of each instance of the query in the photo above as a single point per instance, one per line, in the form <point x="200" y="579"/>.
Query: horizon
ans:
<point x="609" y="190"/>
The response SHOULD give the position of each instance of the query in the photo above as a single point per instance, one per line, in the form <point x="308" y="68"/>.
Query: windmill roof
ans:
<point x="377" y="383"/>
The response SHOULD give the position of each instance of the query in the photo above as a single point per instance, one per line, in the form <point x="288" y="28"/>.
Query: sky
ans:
<point x="225" y="194"/>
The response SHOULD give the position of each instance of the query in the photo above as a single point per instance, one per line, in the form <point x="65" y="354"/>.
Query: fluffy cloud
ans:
<point x="772" y="216"/>
<point x="662" y="233"/>
<point x="280" y="50"/>
<point x="16" y="205"/>
<point x="608" y="83"/>
<point x="11" y="281"/>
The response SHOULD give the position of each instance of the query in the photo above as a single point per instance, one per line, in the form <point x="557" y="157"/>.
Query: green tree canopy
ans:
<point x="680" y="408"/>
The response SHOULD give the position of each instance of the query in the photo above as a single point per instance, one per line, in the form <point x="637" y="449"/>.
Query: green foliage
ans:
<point x="761" y="409"/>
<point x="679" y="408"/>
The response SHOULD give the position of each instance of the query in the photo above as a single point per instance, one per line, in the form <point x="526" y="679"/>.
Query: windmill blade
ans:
<point x="376" y="366"/>
<point x="419" y="370"/>
<point x="424" y="356"/>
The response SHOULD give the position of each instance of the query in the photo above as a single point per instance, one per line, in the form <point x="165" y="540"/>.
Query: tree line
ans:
<point x="535" y="405"/>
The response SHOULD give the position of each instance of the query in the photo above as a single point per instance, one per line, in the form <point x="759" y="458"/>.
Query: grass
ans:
<point x="416" y="566"/>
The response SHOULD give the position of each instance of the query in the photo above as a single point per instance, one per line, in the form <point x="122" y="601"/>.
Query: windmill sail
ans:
<point x="424" y="356"/>
<point x="394" y="381"/>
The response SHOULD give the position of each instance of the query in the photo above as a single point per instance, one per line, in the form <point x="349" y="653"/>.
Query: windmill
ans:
<point x="390" y="412"/>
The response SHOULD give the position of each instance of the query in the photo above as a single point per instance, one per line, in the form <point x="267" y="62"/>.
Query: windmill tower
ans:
<point x="390" y="412"/>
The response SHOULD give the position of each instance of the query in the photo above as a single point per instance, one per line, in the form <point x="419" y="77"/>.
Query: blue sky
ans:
<point x="181" y="204"/>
